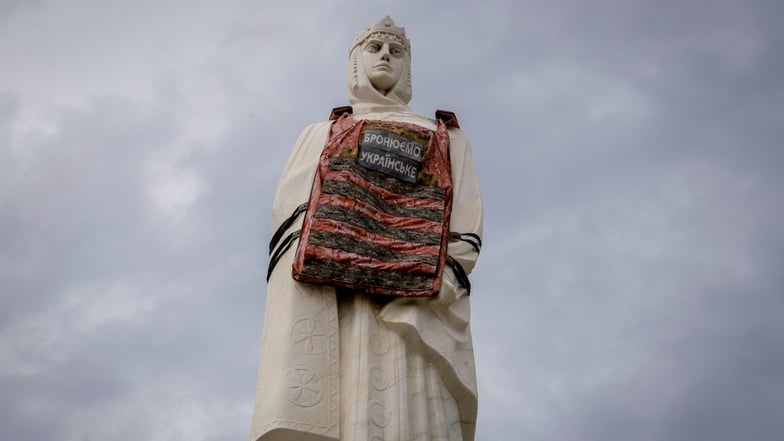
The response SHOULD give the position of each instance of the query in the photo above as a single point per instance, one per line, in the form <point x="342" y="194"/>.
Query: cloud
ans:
<point x="102" y="309"/>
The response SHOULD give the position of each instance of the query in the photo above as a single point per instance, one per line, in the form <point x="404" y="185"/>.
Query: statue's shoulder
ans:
<point x="314" y="133"/>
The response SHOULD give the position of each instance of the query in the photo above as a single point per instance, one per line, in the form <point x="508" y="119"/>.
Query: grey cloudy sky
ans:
<point x="630" y="156"/>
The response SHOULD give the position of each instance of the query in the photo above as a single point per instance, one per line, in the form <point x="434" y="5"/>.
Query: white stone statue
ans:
<point x="340" y="365"/>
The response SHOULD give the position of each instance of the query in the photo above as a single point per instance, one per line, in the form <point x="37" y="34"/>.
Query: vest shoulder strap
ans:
<point x="449" y="118"/>
<point x="337" y="112"/>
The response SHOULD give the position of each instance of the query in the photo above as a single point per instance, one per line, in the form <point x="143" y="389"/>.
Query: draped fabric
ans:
<point x="347" y="366"/>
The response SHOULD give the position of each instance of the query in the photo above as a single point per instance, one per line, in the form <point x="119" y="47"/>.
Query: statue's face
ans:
<point x="383" y="58"/>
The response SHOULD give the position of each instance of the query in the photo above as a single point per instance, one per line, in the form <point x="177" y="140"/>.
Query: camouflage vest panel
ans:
<point x="378" y="216"/>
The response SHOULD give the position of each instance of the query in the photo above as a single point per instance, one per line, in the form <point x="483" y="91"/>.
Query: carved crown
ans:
<point x="384" y="26"/>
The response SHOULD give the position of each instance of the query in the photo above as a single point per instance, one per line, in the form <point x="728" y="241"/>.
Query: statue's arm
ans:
<point x="467" y="202"/>
<point x="466" y="219"/>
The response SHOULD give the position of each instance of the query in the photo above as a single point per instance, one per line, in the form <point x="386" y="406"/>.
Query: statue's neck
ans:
<point x="362" y="108"/>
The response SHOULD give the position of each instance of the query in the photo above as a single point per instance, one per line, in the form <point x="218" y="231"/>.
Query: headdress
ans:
<point x="384" y="26"/>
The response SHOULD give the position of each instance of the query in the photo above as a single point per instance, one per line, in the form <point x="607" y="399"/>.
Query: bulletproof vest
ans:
<point x="377" y="220"/>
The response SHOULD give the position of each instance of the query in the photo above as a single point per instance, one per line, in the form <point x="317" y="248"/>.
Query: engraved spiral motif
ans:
<point x="377" y="379"/>
<point x="379" y="415"/>
<point x="379" y="344"/>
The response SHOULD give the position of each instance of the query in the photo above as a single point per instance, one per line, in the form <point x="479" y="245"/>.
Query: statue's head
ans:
<point x="380" y="65"/>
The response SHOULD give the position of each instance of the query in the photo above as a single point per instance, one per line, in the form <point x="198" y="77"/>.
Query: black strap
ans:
<point x="473" y="239"/>
<point x="462" y="277"/>
<point x="284" y="246"/>
<point x="285" y="225"/>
